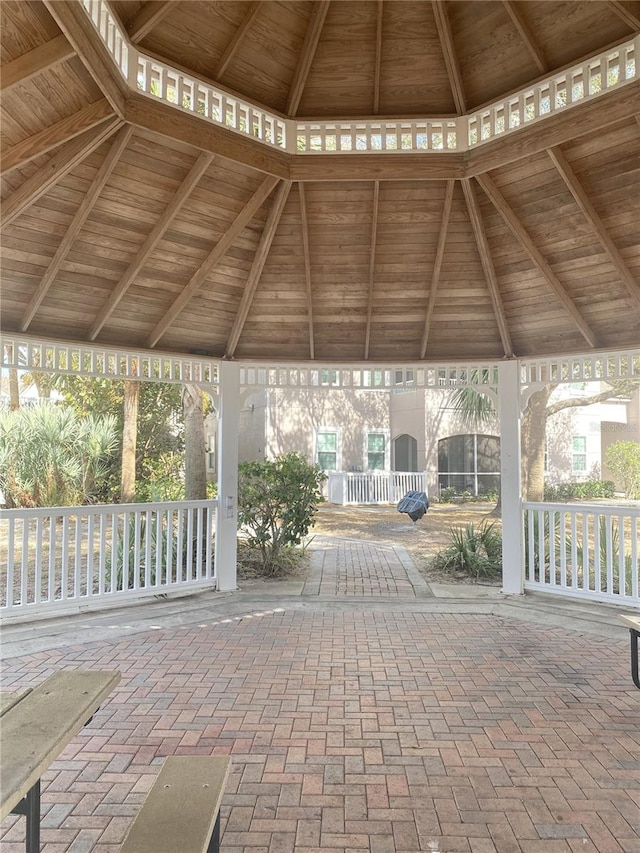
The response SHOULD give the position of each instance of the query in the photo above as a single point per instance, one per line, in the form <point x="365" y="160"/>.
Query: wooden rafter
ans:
<point x="376" y="167"/>
<point x="157" y="233"/>
<point x="147" y="18"/>
<point x="475" y="216"/>
<point x="230" y="50"/>
<point x="372" y="264"/>
<point x="117" y="147"/>
<point x="34" y="62"/>
<point x="450" y="57"/>
<point x="437" y="266"/>
<point x="61" y="163"/>
<point x="515" y="13"/>
<point x="219" y="250"/>
<point x="52" y="137"/>
<point x="304" y="221"/>
<point x="627" y="16"/>
<point x="534" y="254"/>
<point x="262" y="252"/>
<point x="378" y="59"/>
<point x="311" y="39"/>
<point x="582" y="200"/>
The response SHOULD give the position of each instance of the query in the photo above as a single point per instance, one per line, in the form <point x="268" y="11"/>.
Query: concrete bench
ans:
<point x="633" y="623"/>
<point x="182" y="810"/>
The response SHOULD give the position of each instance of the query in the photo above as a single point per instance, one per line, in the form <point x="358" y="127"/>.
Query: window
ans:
<point x="376" y="447"/>
<point x="579" y="457"/>
<point x="327" y="450"/>
<point x="328" y="377"/>
<point x="469" y="463"/>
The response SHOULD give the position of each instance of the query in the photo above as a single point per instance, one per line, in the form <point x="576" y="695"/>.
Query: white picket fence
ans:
<point x="373" y="487"/>
<point x="583" y="550"/>
<point x="66" y="559"/>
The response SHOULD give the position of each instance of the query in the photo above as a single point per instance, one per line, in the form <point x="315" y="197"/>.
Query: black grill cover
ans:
<point x="415" y="504"/>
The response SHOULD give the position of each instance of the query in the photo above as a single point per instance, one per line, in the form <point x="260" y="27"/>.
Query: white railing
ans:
<point x="373" y="487"/>
<point x="583" y="550"/>
<point x="590" y="79"/>
<point x="58" y="559"/>
<point x="607" y="366"/>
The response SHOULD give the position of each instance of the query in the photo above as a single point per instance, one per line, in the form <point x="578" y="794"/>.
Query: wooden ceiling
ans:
<point x="128" y="223"/>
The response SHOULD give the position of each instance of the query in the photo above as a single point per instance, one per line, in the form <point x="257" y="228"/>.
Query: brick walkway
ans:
<point x="369" y="729"/>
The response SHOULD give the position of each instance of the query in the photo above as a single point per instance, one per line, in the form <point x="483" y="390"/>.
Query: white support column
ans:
<point x="510" y="477"/>
<point x="227" y="515"/>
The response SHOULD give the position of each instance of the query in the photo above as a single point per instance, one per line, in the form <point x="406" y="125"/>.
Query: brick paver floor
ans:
<point x="378" y="729"/>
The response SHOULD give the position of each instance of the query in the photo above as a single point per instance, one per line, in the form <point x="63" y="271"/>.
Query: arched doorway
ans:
<point x="405" y="453"/>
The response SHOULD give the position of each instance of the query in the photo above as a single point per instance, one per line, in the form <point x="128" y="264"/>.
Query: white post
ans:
<point x="227" y="515"/>
<point x="510" y="478"/>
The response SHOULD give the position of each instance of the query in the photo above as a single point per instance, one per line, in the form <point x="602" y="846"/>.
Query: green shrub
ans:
<point x="585" y="490"/>
<point x="623" y="458"/>
<point x="474" y="551"/>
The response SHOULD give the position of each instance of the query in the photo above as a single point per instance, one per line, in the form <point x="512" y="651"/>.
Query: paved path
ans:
<point x="389" y="721"/>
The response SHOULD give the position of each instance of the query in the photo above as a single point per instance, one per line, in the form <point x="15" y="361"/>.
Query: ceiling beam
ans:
<point x="378" y="59"/>
<point x="311" y="39"/>
<point x="437" y="266"/>
<point x="147" y="18"/>
<point x="372" y="265"/>
<point x="85" y="39"/>
<point x="515" y="13"/>
<point x="519" y="232"/>
<point x="154" y="237"/>
<point x="627" y="16"/>
<point x="475" y="215"/>
<point x="582" y="200"/>
<point x="304" y="222"/>
<point x="219" y="250"/>
<point x="52" y="137"/>
<point x="450" y="57"/>
<point x="376" y="167"/>
<point x="34" y="62"/>
<point x="117" y="147"/>
<point x="262" y="252"/>
<point x="61" y="163"/>
<point x="230" y="50"/>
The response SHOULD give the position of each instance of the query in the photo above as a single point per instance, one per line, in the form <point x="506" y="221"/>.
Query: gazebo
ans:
<point x="248" y="192"/>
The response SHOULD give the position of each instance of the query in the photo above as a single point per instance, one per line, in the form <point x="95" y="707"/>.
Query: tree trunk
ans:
<point x="129" y="440"/>
<point x="195" y="465"/>
<point x="533" y="436"/>
<point x="14" y="390"/>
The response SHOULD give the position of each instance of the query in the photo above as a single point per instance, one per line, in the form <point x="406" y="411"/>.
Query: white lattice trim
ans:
<point x="617" y="365"/>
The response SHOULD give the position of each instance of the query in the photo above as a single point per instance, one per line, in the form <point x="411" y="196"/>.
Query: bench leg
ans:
<point x="635" y="642"/>
<point x="214" y="843"/>
<point x="29" y="806"/>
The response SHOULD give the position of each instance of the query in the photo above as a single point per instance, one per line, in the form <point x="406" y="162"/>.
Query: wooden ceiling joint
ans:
<point x="35" y="62"/>
<point x="633" y="21"/>
<point x="253" y="279"/>
<point x="450" y="56"/>
<point x="519" y="232"/>
<point x="514" y="11"/>
<point x="378" y="59"/>
<point x="584" y="203"/>
<point x="151" y="242"/>
<point x="475" y="216"/>
<point x="249" y="16"/>
<point x="372" y="265"/>
<point x="65" y="158"/>
<point x="304" y="223"/>
<point x="52" y="137"/>
<point x="311" y="39"/>
<point x="219" y="250"/>
<point x="118" y="145"/>
<point x="148" y="17"/>
<point x="437" y="266"/>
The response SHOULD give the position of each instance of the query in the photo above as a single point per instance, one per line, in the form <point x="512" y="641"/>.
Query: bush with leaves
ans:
<point x="584" y="491"/>
<point x="623" y="459"/>
<point x="474" y="551"/>
<point x="277" y="503"/>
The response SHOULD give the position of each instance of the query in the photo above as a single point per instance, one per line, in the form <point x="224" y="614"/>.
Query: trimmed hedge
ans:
<point x="585" y="490"/>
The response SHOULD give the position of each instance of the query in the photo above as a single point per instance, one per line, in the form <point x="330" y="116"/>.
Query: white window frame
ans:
<point x="328" y="431"/>
<point x="387" y="449"/>
<point x="582" y="453"/>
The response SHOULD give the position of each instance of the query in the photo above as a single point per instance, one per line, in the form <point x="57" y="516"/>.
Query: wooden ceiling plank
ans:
<point x="311" y="39"/>
<point x="262" y="252"/>
<point x="372" y="264"/>
<point x="147" y="18"/>
<point x="304" y="221"/>
<point x="60" y="164"/>
<point x="86" y="41"/>
<point x="52" y="137"/>
<point x="117" y="147"/>
<point x="515" y="13"/>
<point x="34" y="62"/>
<point x="230" y="50"/>
<point x="584" y="203"/>
<point x="155" y="236"/>
<point x="475" y="216"/>
<point x="627" y="16"/>
<point x="518" y="230"/>
<point x="376" y="167"/>
<point x="219" y="250"/>
<point x="437" y="266"/>
<point x="449" y="53"/>
<point x="378" y="59"/>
